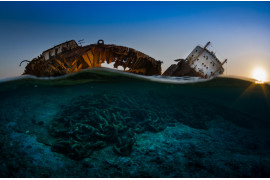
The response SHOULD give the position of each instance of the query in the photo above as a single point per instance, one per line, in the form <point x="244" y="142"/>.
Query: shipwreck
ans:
<point x="200" y="62"/>
<point x="69" y="57"/>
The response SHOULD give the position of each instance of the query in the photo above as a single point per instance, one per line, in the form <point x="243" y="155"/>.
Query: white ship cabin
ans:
<point x="58" y="49"/>
<point x="205" y="62"/>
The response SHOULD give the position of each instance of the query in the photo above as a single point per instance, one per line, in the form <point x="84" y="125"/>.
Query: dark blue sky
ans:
<point x="239" y="31"/>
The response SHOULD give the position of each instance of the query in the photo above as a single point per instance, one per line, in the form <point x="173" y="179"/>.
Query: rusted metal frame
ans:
<point x="126" y="57"/>
<point x="89" y="58"/>
<point x="221" y="65"/>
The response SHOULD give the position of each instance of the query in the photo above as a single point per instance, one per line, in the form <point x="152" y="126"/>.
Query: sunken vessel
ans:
<point x="69" y="57"/>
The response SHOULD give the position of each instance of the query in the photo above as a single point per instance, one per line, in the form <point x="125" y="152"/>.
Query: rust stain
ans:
<point x="92" y="56"/>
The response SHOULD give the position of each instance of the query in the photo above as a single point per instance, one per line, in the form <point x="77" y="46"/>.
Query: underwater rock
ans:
<point x="72" y="148"/>
<point x="90" y="124"/>
<point x="124" y="143"/>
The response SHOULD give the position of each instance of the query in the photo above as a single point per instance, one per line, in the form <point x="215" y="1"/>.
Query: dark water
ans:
<point x="103" y="123"/>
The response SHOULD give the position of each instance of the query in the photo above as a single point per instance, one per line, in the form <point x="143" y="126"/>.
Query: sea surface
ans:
<point x="107" y="123"/>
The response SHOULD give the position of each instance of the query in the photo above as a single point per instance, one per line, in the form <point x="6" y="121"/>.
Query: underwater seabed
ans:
<point x="102" y="123"/>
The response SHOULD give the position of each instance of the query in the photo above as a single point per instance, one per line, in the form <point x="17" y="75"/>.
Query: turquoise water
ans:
<point x="105" y="123"/>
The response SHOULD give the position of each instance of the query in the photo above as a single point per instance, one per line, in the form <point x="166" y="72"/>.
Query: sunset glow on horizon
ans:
<point x="259" y="74"/>
<point x="238" y="31"/>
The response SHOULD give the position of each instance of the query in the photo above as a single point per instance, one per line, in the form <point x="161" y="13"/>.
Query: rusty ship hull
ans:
<point x="91" y="56"/>
<point x="69" y="57"/>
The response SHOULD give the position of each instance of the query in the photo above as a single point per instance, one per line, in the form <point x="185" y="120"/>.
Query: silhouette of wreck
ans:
<point x="69" y="57"/>
<point x="200" y="62"/>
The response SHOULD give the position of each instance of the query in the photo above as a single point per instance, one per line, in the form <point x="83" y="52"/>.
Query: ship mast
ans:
<point x="220" y="67"/>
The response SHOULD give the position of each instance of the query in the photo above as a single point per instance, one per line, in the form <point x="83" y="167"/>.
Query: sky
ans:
<point x="238" y="31"/>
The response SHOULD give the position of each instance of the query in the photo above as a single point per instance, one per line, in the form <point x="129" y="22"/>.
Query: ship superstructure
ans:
<point x="200" y="62"/>
<point x="205" y="62"/>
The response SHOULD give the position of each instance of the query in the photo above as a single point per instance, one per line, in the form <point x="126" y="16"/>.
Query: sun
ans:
<point x="259" y="74"/>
